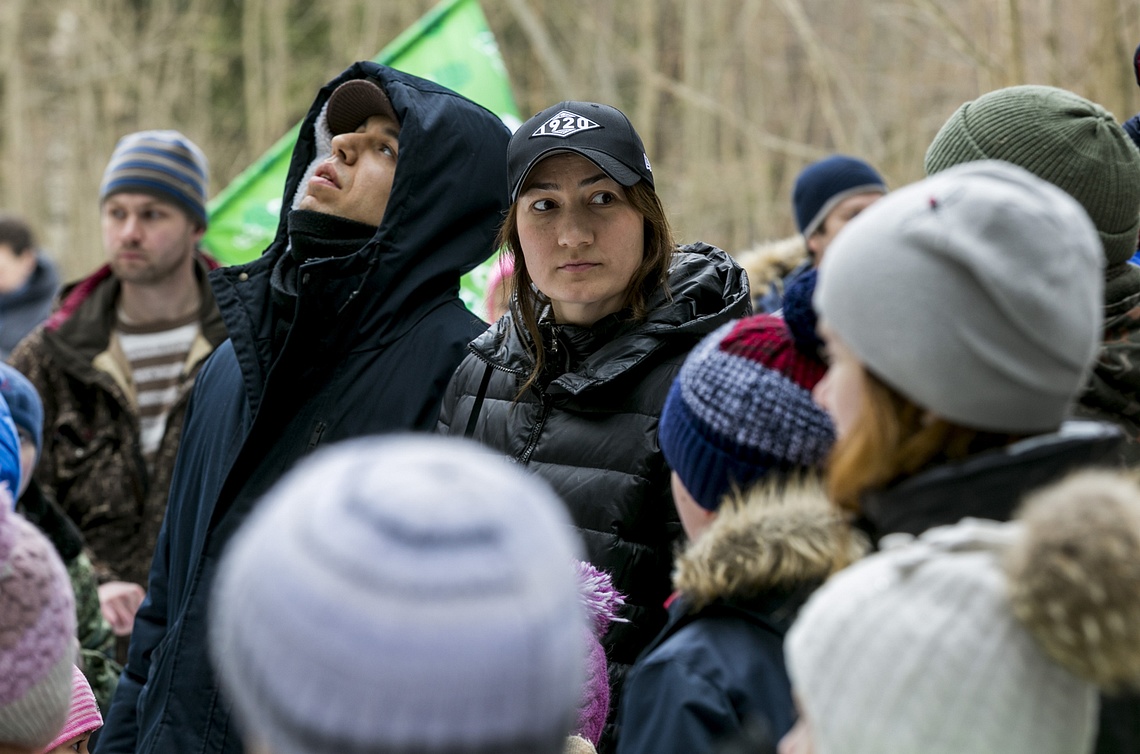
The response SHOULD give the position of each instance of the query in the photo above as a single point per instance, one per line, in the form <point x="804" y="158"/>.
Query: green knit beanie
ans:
<point x="1064" y="138"/>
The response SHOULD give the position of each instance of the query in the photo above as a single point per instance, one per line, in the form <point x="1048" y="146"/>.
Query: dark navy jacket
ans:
<point x="375" y="336"/>
<point x="715" y="676"/>
<point x="708" y="676"/>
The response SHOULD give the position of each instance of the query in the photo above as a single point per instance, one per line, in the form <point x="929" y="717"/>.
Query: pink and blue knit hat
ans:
<point x="741" y="409"/>
<point x="37" y="635"/>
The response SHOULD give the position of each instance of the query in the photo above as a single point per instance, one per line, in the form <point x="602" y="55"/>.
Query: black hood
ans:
<point x="447" y="200"/>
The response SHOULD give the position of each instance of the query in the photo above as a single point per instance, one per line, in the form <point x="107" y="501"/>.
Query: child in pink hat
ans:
<point x="83" y="718"/>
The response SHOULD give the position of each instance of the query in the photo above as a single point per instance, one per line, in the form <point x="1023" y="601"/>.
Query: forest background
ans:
<point x="732" y="97"/>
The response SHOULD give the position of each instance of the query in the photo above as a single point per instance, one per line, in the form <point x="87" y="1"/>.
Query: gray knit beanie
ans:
<point x="1064" y="138"/>
<point x="409" y="594"/>
<point x="982" y="636"/>
<point x="976" y="293"/>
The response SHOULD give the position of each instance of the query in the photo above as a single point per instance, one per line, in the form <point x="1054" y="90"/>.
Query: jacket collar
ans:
<point x="989" y="485"/>
<point x="86" y="316"/>
<point x="783" y="539"/>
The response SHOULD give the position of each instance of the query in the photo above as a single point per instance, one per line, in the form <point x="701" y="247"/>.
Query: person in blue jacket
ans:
<point x="349" y="324"/>
<point x="746" y="445"/>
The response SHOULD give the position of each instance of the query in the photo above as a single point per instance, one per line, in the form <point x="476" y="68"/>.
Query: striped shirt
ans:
<point x="157" y="357"/>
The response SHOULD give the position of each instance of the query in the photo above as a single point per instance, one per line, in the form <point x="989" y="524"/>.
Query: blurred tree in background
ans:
<point x="733" y="97"/>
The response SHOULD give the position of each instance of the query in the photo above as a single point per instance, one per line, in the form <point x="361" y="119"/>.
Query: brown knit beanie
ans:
<point x="1062" y="137"/>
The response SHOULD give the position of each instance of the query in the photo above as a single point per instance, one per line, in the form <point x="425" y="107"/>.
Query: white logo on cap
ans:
<point x="565" y="124"/>
<point x="647" y="165"/>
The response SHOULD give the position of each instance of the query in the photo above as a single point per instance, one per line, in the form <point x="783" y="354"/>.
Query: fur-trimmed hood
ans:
<point x="775" y="536"/>
<point x="770" y="261"/>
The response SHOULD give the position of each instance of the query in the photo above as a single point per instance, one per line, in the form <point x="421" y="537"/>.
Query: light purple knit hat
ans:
<point x="403" y="594"/>
<point x="602" y="603"/>
<point x="37" y="635"/>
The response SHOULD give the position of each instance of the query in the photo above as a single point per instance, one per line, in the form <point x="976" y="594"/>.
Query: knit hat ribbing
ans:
<point x="83" y="714"/>
<point x="740" y="408"/>
<point x="24" y="403"/>
<point x="800" y="314"/>
<point x="164" y="164"/>
<point x="1061" y="137"/>
<point x="824" y="184"/>
<point x="980" y="636"/>
<point x="37" y="634"/>
<point x="977" y="293"/>
<point x="447" y="577"/>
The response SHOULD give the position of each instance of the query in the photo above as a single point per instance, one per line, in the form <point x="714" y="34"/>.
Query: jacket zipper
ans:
<point x="500" y="367"/>
<point x="535" y="431"/>
<point x="524" y="457"/>
<point x="315" y="438"/>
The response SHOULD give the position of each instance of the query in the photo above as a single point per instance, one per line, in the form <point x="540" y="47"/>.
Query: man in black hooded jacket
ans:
<point x="349" y="324"/>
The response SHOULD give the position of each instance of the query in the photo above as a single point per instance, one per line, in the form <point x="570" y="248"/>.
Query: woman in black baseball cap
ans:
<point x="604" y="307"/>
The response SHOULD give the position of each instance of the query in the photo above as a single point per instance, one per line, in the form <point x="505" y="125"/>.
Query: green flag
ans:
<point x="452" y="46"/>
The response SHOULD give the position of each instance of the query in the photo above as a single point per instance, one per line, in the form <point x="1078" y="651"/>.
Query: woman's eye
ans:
<point x="602" y="197"/>
<point x="542" y="205"/>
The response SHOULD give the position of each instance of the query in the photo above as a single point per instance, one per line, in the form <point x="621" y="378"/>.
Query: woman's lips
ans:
<point x="579" y="266"/>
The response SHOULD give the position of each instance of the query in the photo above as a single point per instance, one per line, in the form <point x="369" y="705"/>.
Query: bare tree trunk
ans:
<point x="275" y="72"/>
<point x="253" y="64"/>
<point x="604" y="41"/>
<point x="15" y="86"/>
<point x="1015" y="60"/>
<point x="817" y="65"/>
<point x="645" y="111"/>
<point x="1051" y="43"/>
<point x="544" y="49"/>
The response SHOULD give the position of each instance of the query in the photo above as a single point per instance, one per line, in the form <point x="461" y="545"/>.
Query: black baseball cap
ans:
<point x="600" y="133"/>
<point x="354" y="102"/>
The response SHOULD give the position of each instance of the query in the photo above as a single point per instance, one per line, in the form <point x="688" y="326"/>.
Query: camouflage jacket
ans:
<point x="92" y="461"/>
<point x="1113" y="391"/>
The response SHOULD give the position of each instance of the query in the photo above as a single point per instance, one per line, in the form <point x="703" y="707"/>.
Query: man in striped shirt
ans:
<point x="115" y="362"/>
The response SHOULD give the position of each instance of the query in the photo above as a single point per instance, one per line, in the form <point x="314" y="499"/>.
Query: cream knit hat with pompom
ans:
<point x="982" y="636"/>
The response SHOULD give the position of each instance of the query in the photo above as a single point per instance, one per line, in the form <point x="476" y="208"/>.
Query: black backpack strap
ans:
<point x="477" y="407"/>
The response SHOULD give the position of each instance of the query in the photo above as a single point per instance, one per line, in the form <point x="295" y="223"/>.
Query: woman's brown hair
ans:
<point x="527" y="301"/>
<point x="894" y="438"/>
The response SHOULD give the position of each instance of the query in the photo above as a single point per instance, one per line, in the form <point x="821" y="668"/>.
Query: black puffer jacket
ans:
<point x="590" y="427"/>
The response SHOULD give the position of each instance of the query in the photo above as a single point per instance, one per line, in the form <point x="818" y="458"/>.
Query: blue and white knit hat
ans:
<point x="824" y="184"/>
<point x="740" y="408"/>
<point x="164" y="164"/>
